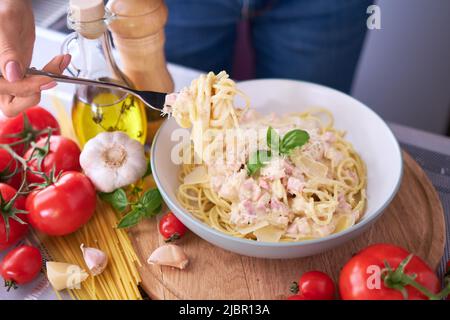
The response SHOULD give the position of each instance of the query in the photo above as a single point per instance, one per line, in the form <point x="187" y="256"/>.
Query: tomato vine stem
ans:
<point x="397" y="279"/>
<point x="7" y="207"/>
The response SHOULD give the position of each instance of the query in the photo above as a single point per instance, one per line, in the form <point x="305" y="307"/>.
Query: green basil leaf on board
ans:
<point x="293" y="139"/>
<point x="151" y="200"/>
<point x="257" y="160"/>
<point x="148" y="206"/>
<point x="149" y="170"/>
<point x="149" y="214"/>
<point x="131" y="219"/>
<point x="118" y="199"/>
<point x="273" y="140"/>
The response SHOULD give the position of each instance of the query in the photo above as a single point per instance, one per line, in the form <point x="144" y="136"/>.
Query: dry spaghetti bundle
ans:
<point x="120" y="280"/>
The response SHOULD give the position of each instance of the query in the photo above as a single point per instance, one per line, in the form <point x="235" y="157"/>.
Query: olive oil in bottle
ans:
<point x="97" y="109"/>
<point x="109" y="111"/>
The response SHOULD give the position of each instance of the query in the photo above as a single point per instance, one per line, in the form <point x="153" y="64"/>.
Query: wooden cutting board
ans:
<point x="414" y="220"/>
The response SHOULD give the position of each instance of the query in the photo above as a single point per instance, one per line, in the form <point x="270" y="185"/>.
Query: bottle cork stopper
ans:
<point x="87" y="10"/>
<point x="86" y="17"/>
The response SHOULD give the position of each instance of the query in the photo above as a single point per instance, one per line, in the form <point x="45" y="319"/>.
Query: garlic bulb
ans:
<point x="96" y="260"/>
<point x="113" y="160"/>
<point x="169" y="255"/>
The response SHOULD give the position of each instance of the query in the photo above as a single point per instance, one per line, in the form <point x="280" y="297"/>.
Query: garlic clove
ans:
<point x="169" y="255"/>
<point x="63" y="275"/>
<point x="95" y="259"/>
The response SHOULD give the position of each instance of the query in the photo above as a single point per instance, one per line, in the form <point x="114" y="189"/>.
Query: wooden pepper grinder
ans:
<point x="138" y="33"/>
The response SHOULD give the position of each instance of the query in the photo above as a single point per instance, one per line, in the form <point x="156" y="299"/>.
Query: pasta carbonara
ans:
<point x="307" y="183"/>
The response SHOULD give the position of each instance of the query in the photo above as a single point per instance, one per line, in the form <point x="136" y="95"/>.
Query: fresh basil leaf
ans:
<point x="131" y="219"/>
<point x="118" y="199"/>
<point x="149" y="170"/>
<point x="264" y="156"/>
<point x="151" y="200"/>
<point x="106" y="196"/>
<point x="253" y="164"/>
<point x="150" y="214"/>
<point x="148" y="205"/>
<point x="273" y="140"/>
<point x="257" y="160"/>
<point x="293" y="139"/>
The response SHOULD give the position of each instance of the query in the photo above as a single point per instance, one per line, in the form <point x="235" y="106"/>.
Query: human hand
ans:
<point x="17" y="35"/>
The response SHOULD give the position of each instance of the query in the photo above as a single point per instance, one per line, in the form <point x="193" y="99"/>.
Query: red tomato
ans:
<point x="21" y="265"/>
<point x="16" y="230"/>
<point x="296" y="297"/>
<point x="171" y="228"/>
<point x="316" y="285"/>
<point x="7" y="167"/>
<point x="360" y="279"/>
<point x="39" y="119"/>
<point x="62" y="207"/>
<point x="63" y="155"/>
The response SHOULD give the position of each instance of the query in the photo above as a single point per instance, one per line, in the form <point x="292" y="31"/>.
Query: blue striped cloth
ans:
<point x="437" y="167"/>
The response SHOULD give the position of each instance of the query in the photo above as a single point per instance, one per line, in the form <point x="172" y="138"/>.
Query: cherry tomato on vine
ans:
<point x="171" y="228"/>
<point x="16" y="230"/>
<point x="57" y="153"/>
<point x="38" y="120"/>
<point x="62" y="207"/>
<point x="21" y="265"/>
<point x="361" y="277"/>
<point x="314" y="285"/>
<point x="8" y="167"/>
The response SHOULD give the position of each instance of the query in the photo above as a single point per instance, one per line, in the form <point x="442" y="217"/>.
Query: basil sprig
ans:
<point x="117" y="199"/>
<point x="291" y="140"/>
<point x="148" y="205"/>
<point x="257" y="160"/>
<point x="273" y="139"/>
<point x="149" y="170"/>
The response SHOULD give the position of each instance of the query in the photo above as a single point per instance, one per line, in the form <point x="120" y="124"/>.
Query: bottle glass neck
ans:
<point x="94" y="60"/>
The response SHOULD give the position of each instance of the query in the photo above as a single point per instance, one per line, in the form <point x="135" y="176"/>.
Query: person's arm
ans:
<point x="17" y="35"/>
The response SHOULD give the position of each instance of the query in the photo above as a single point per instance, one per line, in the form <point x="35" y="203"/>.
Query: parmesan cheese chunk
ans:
<point x="253" y="227"/>
<point x="311" y="167"/>
<point x="64" y="275"/>
<point x="269" y="234"/>
<point x="197" y="176"/>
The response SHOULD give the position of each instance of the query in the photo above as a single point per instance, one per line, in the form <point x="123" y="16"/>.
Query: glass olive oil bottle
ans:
<point x="97" y="109"/>
<point x="108" y="111"/>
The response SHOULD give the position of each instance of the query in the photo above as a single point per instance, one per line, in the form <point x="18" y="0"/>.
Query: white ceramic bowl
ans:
<point x="369" y="134"/>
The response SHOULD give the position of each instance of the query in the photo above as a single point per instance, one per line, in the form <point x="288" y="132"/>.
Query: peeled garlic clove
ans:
<point x="64" y="275"/>
<point x="169" y="255"/>
<point x="95" y="259"/>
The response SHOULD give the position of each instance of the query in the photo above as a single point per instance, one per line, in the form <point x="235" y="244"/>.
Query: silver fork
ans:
<point x="154" y="100"/>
